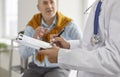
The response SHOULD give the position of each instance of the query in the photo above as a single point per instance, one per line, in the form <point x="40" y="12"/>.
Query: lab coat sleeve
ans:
<point x="103" y="60"/>
<point x="74" y="44"/>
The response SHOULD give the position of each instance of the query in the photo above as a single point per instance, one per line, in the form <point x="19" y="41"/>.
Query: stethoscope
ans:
<point x="95" y="39"/>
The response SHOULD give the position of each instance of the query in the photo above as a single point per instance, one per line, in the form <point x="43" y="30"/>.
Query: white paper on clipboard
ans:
<point x="31" y="42"/>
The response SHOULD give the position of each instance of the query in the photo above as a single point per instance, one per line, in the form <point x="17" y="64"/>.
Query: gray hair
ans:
<point x="53" y="0"/>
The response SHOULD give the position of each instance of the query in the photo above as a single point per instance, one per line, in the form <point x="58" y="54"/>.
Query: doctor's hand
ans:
<point x="51" y="53"/>
<point x="39" y="32"/>
<point x="59" y="41"/>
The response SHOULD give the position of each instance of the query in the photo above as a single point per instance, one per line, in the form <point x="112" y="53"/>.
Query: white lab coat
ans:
<point x="103" y="59"/>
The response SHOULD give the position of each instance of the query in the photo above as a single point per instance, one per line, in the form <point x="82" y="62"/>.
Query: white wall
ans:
<point x="26" y="9"/>
<point x="73" y="9"/>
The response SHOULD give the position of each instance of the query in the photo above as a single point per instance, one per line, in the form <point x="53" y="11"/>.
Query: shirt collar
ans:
<point x="43" y="24"/>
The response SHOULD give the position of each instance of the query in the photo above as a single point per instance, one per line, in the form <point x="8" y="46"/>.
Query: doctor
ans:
<point x="99" y="53"/>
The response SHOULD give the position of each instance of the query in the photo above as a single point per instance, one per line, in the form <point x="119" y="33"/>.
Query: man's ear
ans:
<point x="38" y="7"/>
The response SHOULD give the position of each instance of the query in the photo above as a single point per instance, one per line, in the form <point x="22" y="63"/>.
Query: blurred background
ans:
<point x="14" y="15"/>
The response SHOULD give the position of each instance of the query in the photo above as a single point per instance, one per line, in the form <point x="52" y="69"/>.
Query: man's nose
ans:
<point x="49" y="5"/>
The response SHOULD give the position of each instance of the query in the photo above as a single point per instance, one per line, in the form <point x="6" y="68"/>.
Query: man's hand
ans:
<point x="59" y="41"/>
<point x="51" y="53"/>
<point x="39" y="32"/>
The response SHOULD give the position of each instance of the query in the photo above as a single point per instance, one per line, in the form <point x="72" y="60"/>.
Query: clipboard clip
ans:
<point x="19" y="37"/>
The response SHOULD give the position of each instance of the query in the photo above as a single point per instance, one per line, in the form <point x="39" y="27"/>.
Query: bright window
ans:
<point x="11" y="18"/>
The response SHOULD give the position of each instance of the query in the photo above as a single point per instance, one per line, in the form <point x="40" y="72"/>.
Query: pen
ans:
<point x="60" y="33"/>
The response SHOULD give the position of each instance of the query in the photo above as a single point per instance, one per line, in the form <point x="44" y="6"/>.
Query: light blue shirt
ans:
<point x="71" y="32"/>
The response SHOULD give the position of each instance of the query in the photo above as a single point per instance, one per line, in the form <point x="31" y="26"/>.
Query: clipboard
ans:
<point x="31" y="42"/>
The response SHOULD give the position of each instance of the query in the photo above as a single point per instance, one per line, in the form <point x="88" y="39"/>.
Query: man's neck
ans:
<point x="49" y="21"/>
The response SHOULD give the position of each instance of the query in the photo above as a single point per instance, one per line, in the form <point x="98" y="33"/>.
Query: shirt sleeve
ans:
<point x="72" y="32"/>
<point x="25" y="51"/>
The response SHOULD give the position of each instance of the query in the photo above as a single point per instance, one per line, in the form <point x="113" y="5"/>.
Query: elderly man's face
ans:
<point x="47" y="7"/>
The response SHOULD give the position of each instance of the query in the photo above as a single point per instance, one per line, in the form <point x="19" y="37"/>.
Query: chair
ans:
<point x="23" y="63"/>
